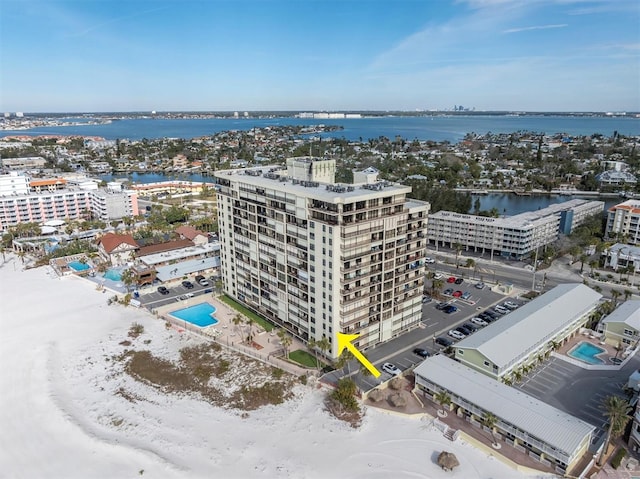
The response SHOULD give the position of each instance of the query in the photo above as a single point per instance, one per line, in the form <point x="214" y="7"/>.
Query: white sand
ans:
<point x="59" y="416"/>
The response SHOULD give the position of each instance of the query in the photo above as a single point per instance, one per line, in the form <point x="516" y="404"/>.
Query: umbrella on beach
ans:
<point x="447" y="460"/>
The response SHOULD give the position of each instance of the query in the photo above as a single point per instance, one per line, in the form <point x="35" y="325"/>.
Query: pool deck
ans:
<point x="586" y="338"/>
<point x="266" y="346"/>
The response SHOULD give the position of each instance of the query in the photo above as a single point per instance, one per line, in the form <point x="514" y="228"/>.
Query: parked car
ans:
<point x="501" y="309"/>
<point x="470" y="327"/>
<point x="185" y="296"/>
<point x="457" y="294"/>
<point x="437" y="276"/>
<point x="448" y="292"/>
<point x="459" y="281"/>
<point x="426" y="299"/>
<point x="429" y="260"/>
<point x="423" y="353"/>
<point x="466" y="295"/>
<point x="442" y="341"/>
<point x="450" y="309"/>
<point x="451" y="279"/>
<point x="391" y="369"/>
<point x="201" y="280"/>
<point x="464" y="331"/>
<point x="454" y="333"/>
<point x="163" y="290"/>
<point x="187" y="284"/>
<point x="492" y="314"/>
<point x="442" y="305"/>
<point x="480" y="285"/>
<point x="486" y="317"/>
<point x="510" y="305"/>
<point x="479" y="321"/>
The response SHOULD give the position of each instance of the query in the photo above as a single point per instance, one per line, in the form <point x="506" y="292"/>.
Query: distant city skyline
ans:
<point x="319" y="55"/>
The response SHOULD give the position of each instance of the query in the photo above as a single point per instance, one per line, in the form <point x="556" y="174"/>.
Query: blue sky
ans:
<point x="142" y="55"/>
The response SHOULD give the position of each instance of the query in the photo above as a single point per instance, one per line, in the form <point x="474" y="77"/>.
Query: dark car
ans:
<point x="491" y="314"/>
<point x="471" y="327"/>
<point x="465" y="330"/>
<point x="459" y="281"/>
<point x="163" y="290"/>
<point x="448" y="292"/>
<point x="450" y="309"/>
<point x="187" y="284"/>
<point x="461" y="330"/>
<point x="423" y="353"/>
<point x="486" y="317"/>
<point x="444" y="342"/>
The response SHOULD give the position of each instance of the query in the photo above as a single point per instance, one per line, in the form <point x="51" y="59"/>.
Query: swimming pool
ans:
<point x="78" y="266"/>
<point x="587" y="352"/>
<point x="199" y="314"/>
<point x="113" y="275"/>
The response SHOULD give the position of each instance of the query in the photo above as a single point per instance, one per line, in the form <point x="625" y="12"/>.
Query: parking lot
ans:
<point x="577" y="391"/>
<point x="435" y="323"/>
<point x="151" y="298"/>
<point x="438" y="322"/>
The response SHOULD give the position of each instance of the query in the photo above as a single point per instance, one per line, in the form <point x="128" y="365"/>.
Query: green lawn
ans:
<point x="301" y="356"/>
<point x="247" y="312"/>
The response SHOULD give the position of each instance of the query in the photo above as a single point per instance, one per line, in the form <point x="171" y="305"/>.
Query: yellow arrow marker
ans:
<point x="344" y="341"/>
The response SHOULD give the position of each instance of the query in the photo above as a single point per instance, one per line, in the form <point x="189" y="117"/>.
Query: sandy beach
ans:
<point x="64" y="414"/>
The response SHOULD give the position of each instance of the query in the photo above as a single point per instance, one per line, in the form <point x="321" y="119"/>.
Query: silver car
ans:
<point x="391" y="369"/>
<point x="456" y="334"/>
<point x="478" y="321"/>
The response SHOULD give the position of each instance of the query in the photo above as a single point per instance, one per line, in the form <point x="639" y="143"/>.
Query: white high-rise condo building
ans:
<point x="317" y="257"/>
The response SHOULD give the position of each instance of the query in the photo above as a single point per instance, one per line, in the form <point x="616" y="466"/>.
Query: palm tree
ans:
<point x="237" y="320"/>
<point x="583" y="258"/>
<point x="592" y="265"/>
<point x="249" y="322"/>
<point x="517" y="375"/>
<point x="617" y="410"/>
<point x="344" y="359"/>
<point x="490" y="420"/>
<point x="285" y="340"/>
<point x="470" y="263"/>
<point x="436" y="284"/>
<point x="313" y="345"/>
<point x="324" y="345"/>
<point x="615" y="294"/>
<point x="627" y="294"/>
<point x="458" y="248"/>
<point x="442" y="398"/>
<point x="128" y="278"/>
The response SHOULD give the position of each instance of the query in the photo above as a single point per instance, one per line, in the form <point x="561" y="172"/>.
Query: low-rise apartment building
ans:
<point x="515" y="236"/>
<point x="502" y="348"/>
<point x="621" y="328"/>
<point x="547" y="434"/>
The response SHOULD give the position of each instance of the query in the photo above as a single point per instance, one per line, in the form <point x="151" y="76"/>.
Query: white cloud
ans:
<point x="536" y="27"/>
